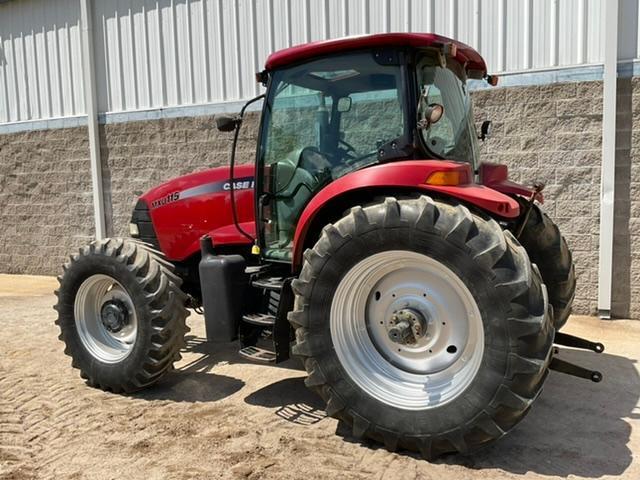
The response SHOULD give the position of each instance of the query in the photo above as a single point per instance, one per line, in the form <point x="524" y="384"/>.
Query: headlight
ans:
<point x="133" y="230"/>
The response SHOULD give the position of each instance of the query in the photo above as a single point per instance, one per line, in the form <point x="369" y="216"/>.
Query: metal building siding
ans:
<point x="168" y="53"/>
<point x="40" y="60"/>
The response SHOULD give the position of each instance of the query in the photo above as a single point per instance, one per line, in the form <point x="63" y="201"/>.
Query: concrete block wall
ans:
<point x="46" y="208"/>
<point x="553" y="134"/>
<point x="626" y="245"/>
<point x="137" y="156"/>
<point x="550" y="133"/>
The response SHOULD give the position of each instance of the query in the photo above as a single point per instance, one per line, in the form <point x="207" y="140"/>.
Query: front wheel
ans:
<point x="121" y="314"/>
<point x="422" y="325"/>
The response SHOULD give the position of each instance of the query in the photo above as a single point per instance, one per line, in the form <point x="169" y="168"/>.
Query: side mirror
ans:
<point x="492" y="80"/>
<point x="227" y="123"/>
<point x="432" y="114"/>
<point x="344" y="104"/>
<point x="485" y="130"/>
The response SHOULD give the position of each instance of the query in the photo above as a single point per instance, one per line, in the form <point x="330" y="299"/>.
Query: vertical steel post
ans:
<point x="608" y="167"/>
<point x="91" y="106"/>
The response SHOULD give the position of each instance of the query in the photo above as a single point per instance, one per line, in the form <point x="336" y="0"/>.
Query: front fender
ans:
<point x="402" y="175"/>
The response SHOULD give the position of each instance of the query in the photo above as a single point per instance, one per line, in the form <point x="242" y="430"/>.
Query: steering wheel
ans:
<point x="350" y="148"/>
<point x="350" y="156"/>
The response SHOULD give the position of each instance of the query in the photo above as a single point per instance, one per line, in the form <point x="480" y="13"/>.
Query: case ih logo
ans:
<point x="239" y="185"/>
<point x="172" y="197"/>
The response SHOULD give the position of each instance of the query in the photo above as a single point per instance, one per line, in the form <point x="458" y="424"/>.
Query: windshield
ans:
<point x="322" y="120"/>
<point x="453" y="136"/>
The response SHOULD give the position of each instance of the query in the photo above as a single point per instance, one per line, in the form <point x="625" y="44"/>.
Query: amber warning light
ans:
<point x="444" y="178"/>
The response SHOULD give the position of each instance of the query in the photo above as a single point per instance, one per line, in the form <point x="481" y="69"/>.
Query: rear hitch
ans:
<point x="577" y="342"/>
<point x="569" y="368"/>
<point x="563" y="366"/>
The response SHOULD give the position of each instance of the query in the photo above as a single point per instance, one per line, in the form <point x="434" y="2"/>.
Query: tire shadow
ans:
<point x="194" y="381"/>
<point x="184" y="386"/>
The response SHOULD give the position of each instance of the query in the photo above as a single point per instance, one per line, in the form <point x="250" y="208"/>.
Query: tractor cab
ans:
<point x="345" y="105"/>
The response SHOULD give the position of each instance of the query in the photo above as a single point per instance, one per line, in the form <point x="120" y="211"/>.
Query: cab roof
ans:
<point x="307" y="51"/>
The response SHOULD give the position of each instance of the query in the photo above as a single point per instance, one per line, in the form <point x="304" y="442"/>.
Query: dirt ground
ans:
<point x="218" y="416"/>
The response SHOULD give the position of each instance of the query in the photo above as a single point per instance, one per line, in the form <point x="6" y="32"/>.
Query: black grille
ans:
<point x="142" y="219"/>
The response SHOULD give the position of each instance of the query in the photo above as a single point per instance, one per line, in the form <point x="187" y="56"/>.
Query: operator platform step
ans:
<point x="269" y="283"/>
<point x="262" y="319"/>
<point x="257" y="354"/>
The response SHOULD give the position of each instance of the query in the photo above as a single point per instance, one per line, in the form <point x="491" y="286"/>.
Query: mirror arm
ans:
<point x="232" y="162"/>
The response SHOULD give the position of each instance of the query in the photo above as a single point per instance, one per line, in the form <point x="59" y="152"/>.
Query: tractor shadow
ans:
<point x="576" y="427"/>
<point x="295" y="403"/>
<point x="194" y="381"/>
<point x="211" y="354"/>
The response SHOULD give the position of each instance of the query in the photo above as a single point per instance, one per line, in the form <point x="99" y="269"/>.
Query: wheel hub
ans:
<point x="114" y="315"/>
<point x="105" y="318"/>
<point x="407" y="326"/>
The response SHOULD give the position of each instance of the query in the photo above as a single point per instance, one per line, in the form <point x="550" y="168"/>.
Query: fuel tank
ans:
<point x="184" y="209"/>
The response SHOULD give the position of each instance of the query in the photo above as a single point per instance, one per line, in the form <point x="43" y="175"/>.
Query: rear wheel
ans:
<point x="422" y="325"/>
<point x="121" y="314"/>
<point x="548" y="249"/>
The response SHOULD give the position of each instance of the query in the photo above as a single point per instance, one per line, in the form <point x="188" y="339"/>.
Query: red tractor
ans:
<point x="421" y="288"/>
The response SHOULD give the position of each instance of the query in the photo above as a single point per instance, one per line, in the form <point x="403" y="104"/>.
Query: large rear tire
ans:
<point x="478" y="312"/>
<point x="121" y="314"/>
<point x="548" y="249"/>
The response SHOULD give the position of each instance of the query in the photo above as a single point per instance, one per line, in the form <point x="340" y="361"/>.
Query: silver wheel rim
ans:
<point x="435" y="368"/>
<point x="106" y="345"/>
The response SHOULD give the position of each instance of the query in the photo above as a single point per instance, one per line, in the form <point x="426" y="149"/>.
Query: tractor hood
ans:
<point x="185" y="208"/>
<point x="198" y="184"/>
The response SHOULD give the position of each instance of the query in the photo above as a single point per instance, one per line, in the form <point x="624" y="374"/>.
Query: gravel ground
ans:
<point x="218" y="416"/>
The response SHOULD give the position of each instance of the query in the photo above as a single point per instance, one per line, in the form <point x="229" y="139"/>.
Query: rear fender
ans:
<point x="398" y="178"/>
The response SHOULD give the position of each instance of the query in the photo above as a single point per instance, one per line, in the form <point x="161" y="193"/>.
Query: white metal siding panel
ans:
<point x="166" y="53"/>
<point x="40" y="62"/>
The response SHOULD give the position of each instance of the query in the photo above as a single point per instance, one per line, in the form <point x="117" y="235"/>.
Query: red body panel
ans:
<point x="496" y="176"/>
<point x="188" y="207"/>
<point x="185" y="208"/>
<point x="464" y="54"/>
<point x="410" y="173"/>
